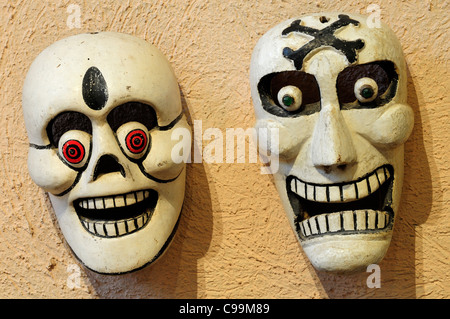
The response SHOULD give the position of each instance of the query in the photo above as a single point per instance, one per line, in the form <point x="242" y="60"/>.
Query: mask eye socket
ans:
<point x="290" y="98"/>
<point x="74" y="148"/>
<point x="134" y="139"/>
<point x="368" y="85"/>
<point x="366" y="90"/>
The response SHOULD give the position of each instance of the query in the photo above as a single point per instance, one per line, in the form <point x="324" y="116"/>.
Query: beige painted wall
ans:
<point x="233" y="240"/>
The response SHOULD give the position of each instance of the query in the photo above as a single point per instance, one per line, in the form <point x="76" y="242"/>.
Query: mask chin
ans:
<point x="344" y="254"/>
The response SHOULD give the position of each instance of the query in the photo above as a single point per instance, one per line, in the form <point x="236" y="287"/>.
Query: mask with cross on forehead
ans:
<point x="335" y="89"/>
<point x="99" y="110"/>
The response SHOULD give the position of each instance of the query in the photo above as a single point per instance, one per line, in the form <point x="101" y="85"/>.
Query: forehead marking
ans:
<point x="95" y="90"/>
<point x="322" y="37"/>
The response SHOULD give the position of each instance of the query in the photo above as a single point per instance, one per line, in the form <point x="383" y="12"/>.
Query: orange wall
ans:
<point x="233" y="240"/>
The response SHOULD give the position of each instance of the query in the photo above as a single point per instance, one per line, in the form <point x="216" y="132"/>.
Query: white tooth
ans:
<point x="83" y="204"/>
<point x="293" y="183"/>
<point x="371" y="215"/>
<point x="131" y="225"/>
<point x="99" y="203"/>
<point x="146" y="194"/>
<point x="349" y="192"/>
<point x="360" y="219"/>
<point x="303" y="230"/>
<point x="140" y="221"/>
<point x="322" y="221"/>
<point x="120" y="202"/>
<point x="139" y="196"/>
<point x="349" y="222"/>
<point x="309" y="191"/>
<point x="121" y="228"/>
<point x="321" y="194"/>
<point x="373" y="183"/>
<point x="334" y="222"/>
<point x="334" y="194"/>
<point x="98" y="228"/>
<point x="380" y="175"/>
<point x="130" y="199"/>
<point x="110" y="229"/>
<point x="381" y="220"/>
<point x="90" y="204"/>
<point x="313" y="224"/>
<point x="362" y="188"/>
<point x="306" y="227"/>
<point x="300" y="188"/>
<point x="109" y="202"/>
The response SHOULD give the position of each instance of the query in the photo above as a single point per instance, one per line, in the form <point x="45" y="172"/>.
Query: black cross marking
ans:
<point x="323" y="37"/>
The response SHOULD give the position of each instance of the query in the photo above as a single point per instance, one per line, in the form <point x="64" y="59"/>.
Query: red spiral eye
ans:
<point x="136" y="141"/>
<point x="73" y="151"/>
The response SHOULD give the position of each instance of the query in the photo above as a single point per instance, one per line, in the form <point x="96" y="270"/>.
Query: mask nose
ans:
<point x="107" y="164"/>
<point x="106" y="157"/>
<point x="332" y="144"/>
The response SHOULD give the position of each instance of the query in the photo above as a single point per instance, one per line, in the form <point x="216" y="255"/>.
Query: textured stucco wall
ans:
<point x="233" y="240"/>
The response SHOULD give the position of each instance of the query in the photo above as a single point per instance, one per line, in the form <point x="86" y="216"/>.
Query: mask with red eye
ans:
<point x="134" y="139"/>
<point x="74" y="148"/>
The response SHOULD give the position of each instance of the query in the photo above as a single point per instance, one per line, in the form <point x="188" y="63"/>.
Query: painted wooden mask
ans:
<point x="335" y="89"/>
<point x="99" y="110"/>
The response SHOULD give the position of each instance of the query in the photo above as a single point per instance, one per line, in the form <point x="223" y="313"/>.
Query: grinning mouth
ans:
<point x="116" y="215"/>
<point x="355" y="207"/>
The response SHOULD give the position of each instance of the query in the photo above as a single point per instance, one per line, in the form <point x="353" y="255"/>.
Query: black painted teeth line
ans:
<point x="111" y="229"/>
<point x="343" y="192"/>
<point x="344" y="222"/>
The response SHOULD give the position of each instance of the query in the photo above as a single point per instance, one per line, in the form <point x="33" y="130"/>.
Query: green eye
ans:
<point x="290" y="98"/>
<point x="367" y="93"/>
<point x="366" y="90"/>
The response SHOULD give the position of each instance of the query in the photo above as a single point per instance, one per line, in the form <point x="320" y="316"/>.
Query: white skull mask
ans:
<point x="99" y="111"/>
<point x="335" y="89"/>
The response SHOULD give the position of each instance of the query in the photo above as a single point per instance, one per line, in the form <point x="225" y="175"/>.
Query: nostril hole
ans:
<point x="107" y="164"/>
<point x="328" y="168"/>
<point x="323" y="19"/>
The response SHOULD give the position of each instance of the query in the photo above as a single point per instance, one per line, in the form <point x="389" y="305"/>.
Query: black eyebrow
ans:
<point x="132" y="111"/>
<point x="67" y="121"/>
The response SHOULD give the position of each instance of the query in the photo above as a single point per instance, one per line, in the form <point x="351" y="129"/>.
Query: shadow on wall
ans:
<point x="401" y="266"/>
<point x="173" y="275"/>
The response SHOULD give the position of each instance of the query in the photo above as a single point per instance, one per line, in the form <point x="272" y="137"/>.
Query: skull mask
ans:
<point x="335" y="88"/>
<point x="99" y="111"/>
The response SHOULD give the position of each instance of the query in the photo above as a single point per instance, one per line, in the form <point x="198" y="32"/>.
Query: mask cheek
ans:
<point x="49" y="172"/>
<point x="392" y="128"/>
<point x="160" y="161"/>
<point x="282" y="139"/>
